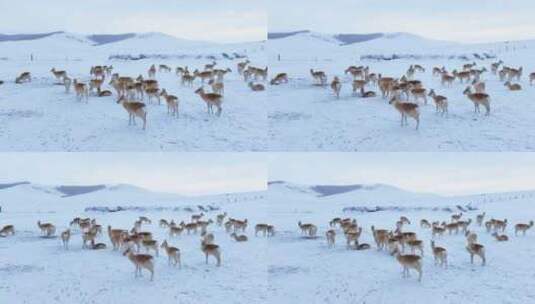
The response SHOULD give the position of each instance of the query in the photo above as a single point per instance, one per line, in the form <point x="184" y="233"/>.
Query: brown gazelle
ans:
<point x="7" y="230"/>
<point x="406" y="109"/>
<point x="213" y="250"/>
<point x="239" y="238"/>
<point x="172" y="103"/>
<point x="211" y="99"/>
<point x="500" y="237"/>
<point x="47" y="229"/>
<point x="141" y="261"/>
<point x="264" y="228"/>
<point x="441" y="102"/>
<point x="476" y="249"/>
<point x="336" y="86"/>
<point x="478" y="99"/>
<point x="330" y="235"/>
<point x="88" y="236"/>
<point x="410" y="261"/>
<point x="446" y="79"/>
<point x="440" y="254"/>
<point x="24" y="77"/>
<point x="82" y="90"/>
<point x="67" y="84"/>
<point x="134" y="108"/>
<point x="523" y="227"/>
<point x="381" y="237"/>
<point x="307" y="229"/>
<point x="60" y="75"/>
<point x="512" y="86"/>
<point x="319" y="77"/>
<point x="282" y="78"/>
<point x="173" y="254"/>
<point x="65" y="237"/>
<point x="256" y="87"/>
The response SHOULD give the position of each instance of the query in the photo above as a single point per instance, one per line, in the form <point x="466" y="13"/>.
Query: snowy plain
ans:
<point x="41" y="116"/>
<point x="305" y="117"/>
<point x="286" y="268"/>
<point x="36" y="269"/>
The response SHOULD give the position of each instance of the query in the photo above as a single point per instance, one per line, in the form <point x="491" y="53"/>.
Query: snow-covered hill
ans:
<point x="286" y="268"/>
<point x="77" y="275"/>
<point x="65" y="45"/>
<point x="306" y="270"/>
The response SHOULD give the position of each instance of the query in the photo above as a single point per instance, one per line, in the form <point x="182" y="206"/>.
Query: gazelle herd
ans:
<point x="134" y="92"/>
<point x="139" y="245"/>
<point x="407" y="247"/>
<point x="407" y="94"/>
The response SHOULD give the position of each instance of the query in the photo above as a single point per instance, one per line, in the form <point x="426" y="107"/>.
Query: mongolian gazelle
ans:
<point x="441" y="102"/>
<point x="478" y="99"/>
<point x="173" y="254"/>
<point x="330" y="235"/>
<point x="523" y="227"/>
<point x="319" y="77"/>
<point x="134" y="108"/>
<point x="476" y="249"/>
<point x="172" y="103"/>
<point x="47" y="229"/>
<point x="409" y="261"/>
<point x="60" y="75"/>
<point x="440" y="254"/>
<point x="82" y="90"/>
<point x="7" y="230"/>
<point x="141" y="261"/>
<point x="65" y="236"/>
<point x="406" y="109"/>
<point x="211" y="99"/>
<point x="336" y="86"/>
<point x="211" y="249"/>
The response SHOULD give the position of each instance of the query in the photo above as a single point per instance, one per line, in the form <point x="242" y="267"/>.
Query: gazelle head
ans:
<point x="121" y="99"/>
<point x="467" y="91"/>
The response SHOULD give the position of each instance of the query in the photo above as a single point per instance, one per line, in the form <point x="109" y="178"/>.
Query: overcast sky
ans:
<point x="210" y="20"/>
<point x="455" y="20"/>
<point x="441" y="173"/>
<point x="184" y="173"/>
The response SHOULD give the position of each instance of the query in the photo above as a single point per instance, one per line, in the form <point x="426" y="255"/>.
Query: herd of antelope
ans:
<point x="405" y="245"/>
<point x="406" y="92"/>
<point x="133" y="92"/>
<point x="131" y="242"/>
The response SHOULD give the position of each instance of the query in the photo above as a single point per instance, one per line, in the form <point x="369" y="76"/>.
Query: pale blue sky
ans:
<point x="210" y="20"/>
<point x="456" y="20"/>
<point x="442" y="173"/>
<point x="184" y="173"/>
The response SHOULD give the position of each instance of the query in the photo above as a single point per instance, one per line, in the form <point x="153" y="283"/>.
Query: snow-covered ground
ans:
<point x="286" y="268"/>
<point x="305" y="270"/>
<point x="303" y="117"/>
<point x="29" y="262"/>
<point x="40" y="116"/>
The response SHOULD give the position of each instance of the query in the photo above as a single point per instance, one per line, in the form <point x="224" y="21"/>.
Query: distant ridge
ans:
<point x="278" y="35"/>
<point x="21" y="37"/>
<point x="110" y="38"/>
<point x="327" y="190"/>
<point x="9" y="185"/>
<point x="343" y="38"/>
<point x="78" y="190"/>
